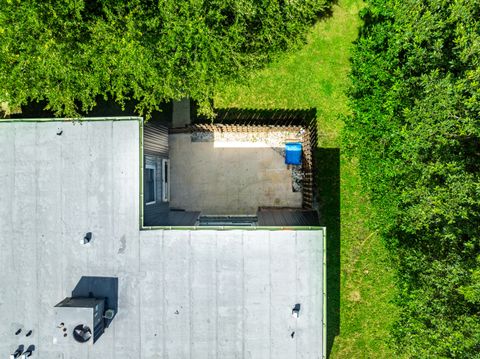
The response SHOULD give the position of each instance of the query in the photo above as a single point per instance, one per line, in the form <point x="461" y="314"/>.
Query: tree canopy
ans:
<point x="416" y="131"/>
<point x="69" y="52"/>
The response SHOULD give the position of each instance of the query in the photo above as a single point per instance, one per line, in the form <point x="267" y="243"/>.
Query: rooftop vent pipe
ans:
<point x="87" y="238"/>
<point x="296" y="310"/>
<point x="17" y="353"/>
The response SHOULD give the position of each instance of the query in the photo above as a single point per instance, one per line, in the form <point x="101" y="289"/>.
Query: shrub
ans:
<point x="416" y="131"/>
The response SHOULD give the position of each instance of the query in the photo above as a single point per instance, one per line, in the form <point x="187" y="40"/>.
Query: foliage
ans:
<point x="416" y="130"/>
<point x="68" y="52"/>
<point x="360" y="280"/>
<point x="471" y="292"/>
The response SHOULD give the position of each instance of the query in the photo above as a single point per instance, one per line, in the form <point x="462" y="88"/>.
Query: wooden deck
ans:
<point x="287" y="217"/>
<point x="173" y="218"/>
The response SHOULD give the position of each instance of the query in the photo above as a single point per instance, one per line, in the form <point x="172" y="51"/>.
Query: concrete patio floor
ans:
<point x="217" y="180"/>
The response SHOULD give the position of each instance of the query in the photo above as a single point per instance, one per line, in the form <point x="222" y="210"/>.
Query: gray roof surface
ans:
<point x="181" y="293"/>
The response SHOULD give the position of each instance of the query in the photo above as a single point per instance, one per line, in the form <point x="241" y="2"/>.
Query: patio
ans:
<point x="231" y="173"/>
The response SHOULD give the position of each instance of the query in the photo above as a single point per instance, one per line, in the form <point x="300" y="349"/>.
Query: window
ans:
<point x="165" y="180"/>
<point x="150" y="187"/>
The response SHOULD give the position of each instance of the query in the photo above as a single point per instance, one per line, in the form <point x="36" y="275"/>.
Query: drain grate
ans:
<point x="228" y="220"/>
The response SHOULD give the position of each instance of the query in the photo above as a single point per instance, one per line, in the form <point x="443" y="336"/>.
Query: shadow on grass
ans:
<point x="256" y="116"/>
<point x="327" y="161"/>
<point x="327" y="11"/>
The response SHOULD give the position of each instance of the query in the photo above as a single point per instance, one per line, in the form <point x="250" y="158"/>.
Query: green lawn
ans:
<point x="360" y="279"/>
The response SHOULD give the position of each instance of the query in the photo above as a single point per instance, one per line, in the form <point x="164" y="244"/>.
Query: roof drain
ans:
<point x="227" y="220"/>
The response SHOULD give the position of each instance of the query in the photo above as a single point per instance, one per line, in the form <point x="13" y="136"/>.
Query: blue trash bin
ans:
<point x="293" y="153"/>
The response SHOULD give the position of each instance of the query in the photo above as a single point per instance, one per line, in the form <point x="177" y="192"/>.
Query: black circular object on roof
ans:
<point x="82" y="333"/>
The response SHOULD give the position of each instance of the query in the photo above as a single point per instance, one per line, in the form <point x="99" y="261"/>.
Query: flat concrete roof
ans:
<point x="181" y="293"/>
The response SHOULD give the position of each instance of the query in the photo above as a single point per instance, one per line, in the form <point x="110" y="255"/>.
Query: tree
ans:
<point x="69" y="52"/>
<point x="416" y="130"/>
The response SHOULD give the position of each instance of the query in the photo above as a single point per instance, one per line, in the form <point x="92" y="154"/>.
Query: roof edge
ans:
<point x="229" y="228"/>
<point x="73" y="119"/>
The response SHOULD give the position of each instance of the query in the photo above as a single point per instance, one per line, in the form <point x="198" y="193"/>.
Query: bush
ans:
<point x="416" y="130"/>
<point x="71" y="51"/>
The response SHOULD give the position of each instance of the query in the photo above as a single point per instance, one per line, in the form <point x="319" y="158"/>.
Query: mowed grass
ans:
<point x="361" y="281"/>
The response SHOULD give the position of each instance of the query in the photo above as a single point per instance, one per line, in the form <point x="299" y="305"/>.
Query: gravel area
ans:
<point x="202" y="136"/>
<point x="274" y="138"/>
<point x="297" y="179"/>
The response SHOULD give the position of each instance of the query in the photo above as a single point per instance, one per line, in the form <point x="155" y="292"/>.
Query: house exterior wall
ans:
<point x="152" y="212"/>
<point x="181" y="114"/>
<point x="155" y="147"/>
<point x="155" y="139"/>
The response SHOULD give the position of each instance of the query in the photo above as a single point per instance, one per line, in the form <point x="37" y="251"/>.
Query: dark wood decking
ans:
<point x="287" y="217"/>
<point x="173" y="218"/>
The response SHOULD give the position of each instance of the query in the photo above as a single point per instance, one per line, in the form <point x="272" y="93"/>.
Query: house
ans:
<point x="103" y="257"/>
